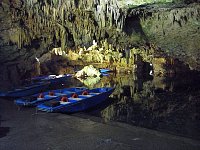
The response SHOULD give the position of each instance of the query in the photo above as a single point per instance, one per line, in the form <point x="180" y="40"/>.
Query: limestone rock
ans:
<point x="33" y="28"/>
<point x="88" y="71"/>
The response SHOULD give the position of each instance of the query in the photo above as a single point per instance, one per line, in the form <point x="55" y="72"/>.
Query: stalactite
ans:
<point x="44" y="18"/>
<point x="19" y="39"/>
<point x="62" y="16"/>
<point x="63" y="36"/>
<point x="54" y="13"/>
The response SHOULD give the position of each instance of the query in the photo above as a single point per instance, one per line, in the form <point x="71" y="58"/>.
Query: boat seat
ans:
<point x="49" y="96"/>
<point x="26" y="87"/>
<point x="76" y="99"/>
<point x="63" y="103"/>
<point x="60" y="94"/>
<point x="39" y="99"/>
<point x="85" y="96"/>
<point x="94" y="93"/>
<point x="67" y="92"/>
<point x="18" y="89"/>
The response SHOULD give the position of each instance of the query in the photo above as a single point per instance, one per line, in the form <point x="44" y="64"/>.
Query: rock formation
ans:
<point x="32" y="28"/>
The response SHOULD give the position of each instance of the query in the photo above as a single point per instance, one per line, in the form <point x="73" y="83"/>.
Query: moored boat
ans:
<point x="51" y="78"/>
<point x="82" y="102"/>
<point x="25" y="91"/>
<point x="104" y="70"/>
<point x="39" y="78"/>
<point x="38" y="98"/>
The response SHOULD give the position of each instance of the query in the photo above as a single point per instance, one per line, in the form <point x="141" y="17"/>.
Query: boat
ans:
<point x="82" y="102"/>
<point x="38" y="98"/>
<point x="51" y="78"/>
<point x="27" y="90"/>
<point x="104" y="70"/>
<point x="39" y="78"/>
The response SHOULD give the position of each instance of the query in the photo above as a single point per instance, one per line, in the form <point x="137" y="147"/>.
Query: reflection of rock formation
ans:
<point x="90" y="81"/>
<point x="170" y="105"/>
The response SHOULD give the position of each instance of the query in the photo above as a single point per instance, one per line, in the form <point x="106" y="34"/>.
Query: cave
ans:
<point x="151" y="49"/>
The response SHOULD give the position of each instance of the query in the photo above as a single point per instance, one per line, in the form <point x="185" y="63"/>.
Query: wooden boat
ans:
<point x="39" y="98"/>
<point x="25" y="91"/>
<point x="82" y="102"/>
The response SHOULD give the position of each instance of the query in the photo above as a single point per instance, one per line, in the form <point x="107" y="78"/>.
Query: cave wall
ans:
<point x="11" y="57"/>
<point x="176" y="31"/>
<point x="32" y="28"/>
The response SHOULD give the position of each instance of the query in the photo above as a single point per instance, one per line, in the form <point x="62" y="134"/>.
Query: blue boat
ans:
<point x="39" y="98"/>
<point x="39" y="78"/>
<point x="52" y="78"/>
<point x="82" y="102"/>
<point x="25" y="91"/>
<point x="104" y="70"/>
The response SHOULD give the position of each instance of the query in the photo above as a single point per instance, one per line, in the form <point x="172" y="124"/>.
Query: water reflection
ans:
<point x="90" y="81"/>
<point x="167" y="104"/>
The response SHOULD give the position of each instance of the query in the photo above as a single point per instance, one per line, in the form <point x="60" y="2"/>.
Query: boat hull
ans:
<point x="27" y="90"/>
<point x="53" y="79"/>
<point x="89" y="103"/>
<point x="84" y="102"/>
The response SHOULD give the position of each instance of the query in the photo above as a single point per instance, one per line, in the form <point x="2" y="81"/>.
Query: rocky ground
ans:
<point x="24" y="129"/>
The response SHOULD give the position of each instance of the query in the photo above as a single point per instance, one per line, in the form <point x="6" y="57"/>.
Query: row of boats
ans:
<point x="60" y="78"/>
<point x="68" y="100"/>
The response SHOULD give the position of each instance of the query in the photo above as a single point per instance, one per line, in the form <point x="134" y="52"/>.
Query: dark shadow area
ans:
<point x="70" y="39"/>
<point x="3" y="130"/>
<point x="133" y="26"/>
<point x="76" y="2"/>
<point x="35" y="43"/>
<point x="100" y="106"/>
<point x="167" y="104"/>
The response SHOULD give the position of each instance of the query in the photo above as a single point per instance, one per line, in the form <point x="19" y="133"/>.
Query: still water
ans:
<point x="167" y="104"/>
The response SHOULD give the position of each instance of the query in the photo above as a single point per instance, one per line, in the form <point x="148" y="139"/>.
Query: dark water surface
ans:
<point x="170" y="105"/>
